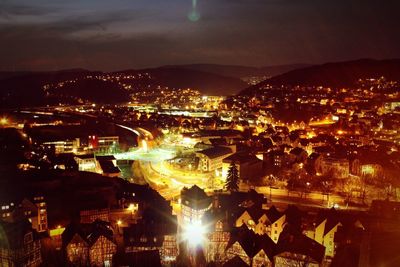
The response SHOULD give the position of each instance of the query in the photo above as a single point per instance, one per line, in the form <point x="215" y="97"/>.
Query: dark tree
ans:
<point x="232" y="179"/>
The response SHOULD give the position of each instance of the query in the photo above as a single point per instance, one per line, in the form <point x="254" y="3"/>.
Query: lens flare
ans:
<point x="194" y="15"/>
<point x="194" y="233"/>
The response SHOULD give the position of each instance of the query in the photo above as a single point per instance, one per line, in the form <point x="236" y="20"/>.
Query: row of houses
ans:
<point x="136" y="222"/>
<point x="239" y="225"/>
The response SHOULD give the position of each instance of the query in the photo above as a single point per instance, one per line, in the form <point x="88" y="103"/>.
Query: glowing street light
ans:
<point x="194" y="233"/>
<point x="3" y="121"/>
<point x="131" y="207"/>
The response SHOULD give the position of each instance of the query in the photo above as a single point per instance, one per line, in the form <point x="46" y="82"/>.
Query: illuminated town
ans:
<point x="200" y="165"/>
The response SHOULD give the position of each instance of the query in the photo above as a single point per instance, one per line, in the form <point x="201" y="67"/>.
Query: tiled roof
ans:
<point x="215" y="152"/>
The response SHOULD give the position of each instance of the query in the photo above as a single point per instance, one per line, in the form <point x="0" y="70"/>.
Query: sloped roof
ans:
<point x="89" y="232"/>
<point x="251" y="242"/>
<point x="12" y="234"/>
<point x="293" y="241"/>
<point x="108" y="166"/>
<point x="144" y="235"/>
<point x="241" y="158"/>
<point x="273" y="214"/>
<point x="195" y="197"/>
<point x="334" y="217"/>
<point x="85" y="156"/>
<point x="215" y="152"/>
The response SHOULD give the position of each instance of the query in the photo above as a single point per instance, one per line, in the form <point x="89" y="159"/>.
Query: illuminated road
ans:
<point x="154" y="155"/>
<point x="309" y="199"/>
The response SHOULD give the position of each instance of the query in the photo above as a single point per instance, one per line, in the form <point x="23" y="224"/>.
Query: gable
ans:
<point x="264" y="219"/>
<point x="236" y="249"/>
<point x="261" y="254"/>
<point x="102" y="241"/>
<point x="77" y="239"/>
<point x="244" y="217"/>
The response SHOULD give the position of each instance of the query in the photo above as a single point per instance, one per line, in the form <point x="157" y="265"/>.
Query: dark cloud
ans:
<point x="120" y="34"/>
<point x="9" y="9"/>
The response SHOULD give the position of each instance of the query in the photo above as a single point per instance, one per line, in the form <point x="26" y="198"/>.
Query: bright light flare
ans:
<point x="194" y="233"/>
<point x="144" y="146"/>
<point x="3" y="121"/>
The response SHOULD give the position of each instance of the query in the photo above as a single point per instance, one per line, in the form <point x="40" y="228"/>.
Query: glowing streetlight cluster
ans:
<point x="194" y="233"/>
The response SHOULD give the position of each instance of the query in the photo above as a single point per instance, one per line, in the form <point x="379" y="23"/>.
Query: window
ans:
<point x="28" y="238"/>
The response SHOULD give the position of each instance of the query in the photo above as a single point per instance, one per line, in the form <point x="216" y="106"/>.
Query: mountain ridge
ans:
<point x="239" y="71"/>
<point x="335" y="74"/>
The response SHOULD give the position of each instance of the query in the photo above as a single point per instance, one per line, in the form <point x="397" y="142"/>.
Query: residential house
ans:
<point x="216" y="220"/>
<point x="296" y="249"/>
<point x="253" y="249"/>
<point x="326" y="226"/>
<point x="270" y="222"/>
<point x="145" y="236"/>
<point x="211" y="159"/>
<point x="19" y="244"/>
<point x="89" y="244"/>
<point x="194" y="203"/>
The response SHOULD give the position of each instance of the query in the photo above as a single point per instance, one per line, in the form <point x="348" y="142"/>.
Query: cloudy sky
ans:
<point x="121" y="34"/>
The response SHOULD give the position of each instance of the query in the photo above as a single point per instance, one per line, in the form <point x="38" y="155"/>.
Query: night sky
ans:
<point x="121" y="34"/>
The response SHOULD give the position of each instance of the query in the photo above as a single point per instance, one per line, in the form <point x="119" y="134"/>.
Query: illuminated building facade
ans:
<point x="194" y="203"/>
<point x="64" y="146"/>
<point x="211" y="158"/>
<point x="89" y="244"/>
<point x="103" y="144"/>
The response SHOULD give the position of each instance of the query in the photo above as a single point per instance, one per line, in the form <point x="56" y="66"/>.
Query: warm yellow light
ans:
<point x="119" y="222"/>
<point x="56" y="232"/>
<point x="194" y="233"/>
<point x="144" y="146"/>
<point x="131" y="207"/>
<point x="3" y="121"/>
